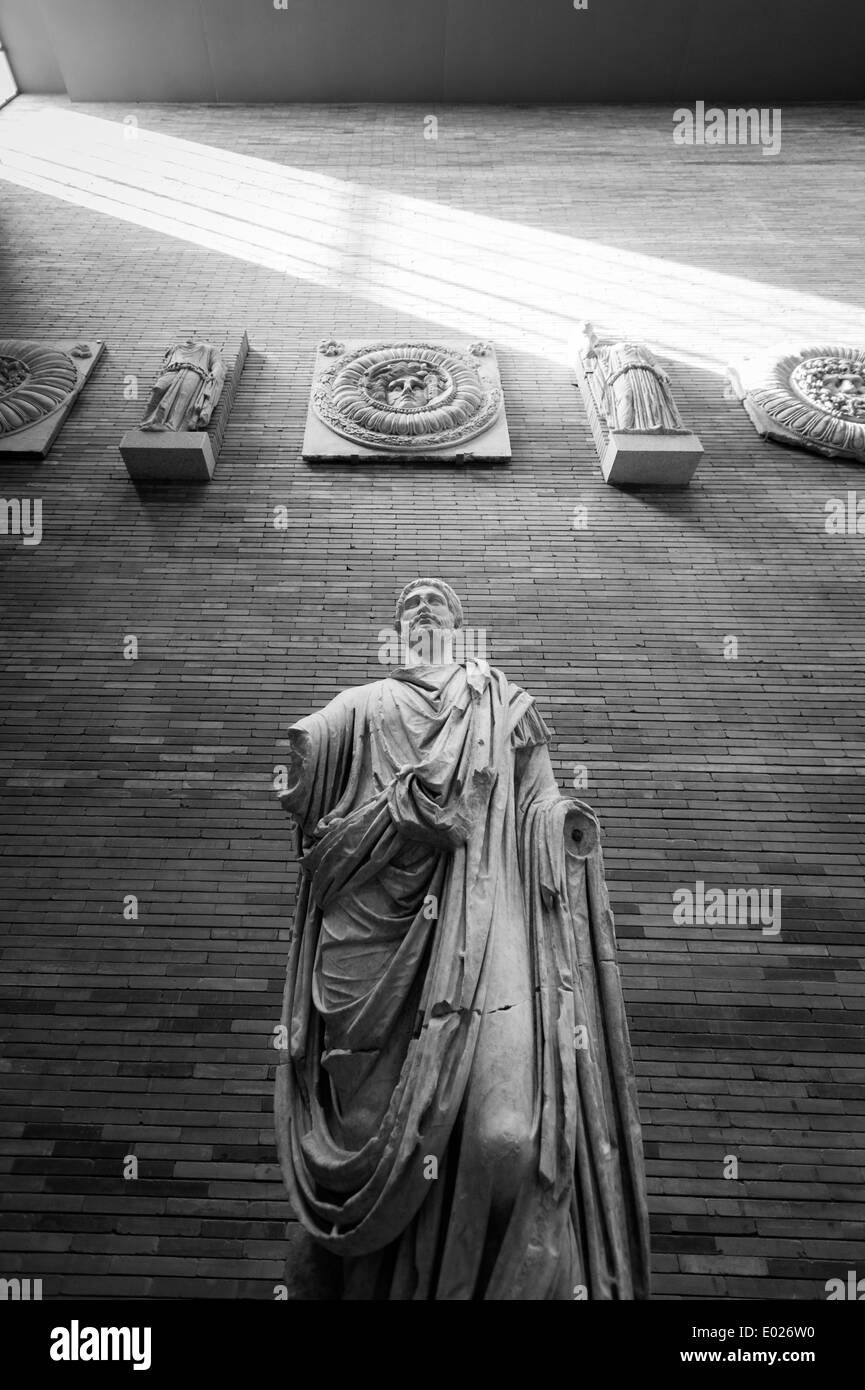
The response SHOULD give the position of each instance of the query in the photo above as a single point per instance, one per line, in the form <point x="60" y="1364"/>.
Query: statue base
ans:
<point x="185" y="456"/>
<point x="633" y="458"/>
<point x="650" y="460"/>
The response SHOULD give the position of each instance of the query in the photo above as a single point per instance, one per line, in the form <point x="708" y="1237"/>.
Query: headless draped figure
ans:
<point x="187" y="388"/>
<point x="631" y="391"/>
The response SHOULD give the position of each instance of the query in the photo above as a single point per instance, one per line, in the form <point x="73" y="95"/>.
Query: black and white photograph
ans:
<point x="432" y="662"/>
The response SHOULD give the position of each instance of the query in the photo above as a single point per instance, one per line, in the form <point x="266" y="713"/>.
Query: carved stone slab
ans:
<point x="809" y="397"/>
<point x="39" y="381"/>
<point x="403" y="401"/>
<point x="666" y="456"/>
<point x="186" y="456"/>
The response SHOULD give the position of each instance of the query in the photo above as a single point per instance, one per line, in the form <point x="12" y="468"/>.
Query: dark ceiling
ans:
<point x="437" y="50"/>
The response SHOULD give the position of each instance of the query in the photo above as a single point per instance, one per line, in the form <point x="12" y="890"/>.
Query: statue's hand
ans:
<point x="581" y="831"/>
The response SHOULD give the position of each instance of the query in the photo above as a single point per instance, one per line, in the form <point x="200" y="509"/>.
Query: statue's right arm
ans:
<point x="298" y="762"/>
<point x="319" y="754"/>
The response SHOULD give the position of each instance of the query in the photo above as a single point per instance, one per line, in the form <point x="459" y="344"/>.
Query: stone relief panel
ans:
<point x="406" y="399"/>
<point x="38" y="385"/>
<point x="809" y="397"/>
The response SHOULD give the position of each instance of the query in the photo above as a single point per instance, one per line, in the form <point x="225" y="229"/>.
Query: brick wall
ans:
<point x="152" y="777"/>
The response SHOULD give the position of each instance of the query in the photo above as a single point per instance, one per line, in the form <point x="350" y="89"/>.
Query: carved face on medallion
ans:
<point x="406" y="386"/>
<point x="413" y="396"/>
<point x="833" y="384"/>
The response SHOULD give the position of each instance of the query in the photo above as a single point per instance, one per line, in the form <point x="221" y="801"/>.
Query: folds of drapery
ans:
<point x="358" y="1200"/>
<point x="590" y="1139"/>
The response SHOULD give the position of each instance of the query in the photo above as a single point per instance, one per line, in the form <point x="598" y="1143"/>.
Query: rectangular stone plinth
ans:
<point x="321" y="444"/>
<point x="635" y="459"/>
<point x="35" y="441"/>
<point x="651" y="460"/>
<point x="182" y="456"/>
<point x="186" y="456"/>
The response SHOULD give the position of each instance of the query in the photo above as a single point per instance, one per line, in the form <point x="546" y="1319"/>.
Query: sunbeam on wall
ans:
<point x="469" y="272"/>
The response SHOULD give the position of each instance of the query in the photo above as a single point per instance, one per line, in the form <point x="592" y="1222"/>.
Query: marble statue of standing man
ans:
<point x="455" y="1105"/>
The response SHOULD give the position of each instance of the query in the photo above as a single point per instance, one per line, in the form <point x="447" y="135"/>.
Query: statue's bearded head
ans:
<point x="426" y="604"/>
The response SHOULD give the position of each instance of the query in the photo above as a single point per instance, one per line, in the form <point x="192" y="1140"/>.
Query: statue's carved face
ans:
<point x="408" y="389"/>
<point x="405" y="386"/>
<point x="833" y="384"/>
<point x="851" y="383"/>
<point x="425" y="607"/>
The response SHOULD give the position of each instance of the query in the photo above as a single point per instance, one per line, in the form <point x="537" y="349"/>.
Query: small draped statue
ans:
<point x="187" y="388"/>
<point x="631" y="391"/>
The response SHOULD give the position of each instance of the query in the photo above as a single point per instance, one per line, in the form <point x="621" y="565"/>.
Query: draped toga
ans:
<point x="455" y="1106"/>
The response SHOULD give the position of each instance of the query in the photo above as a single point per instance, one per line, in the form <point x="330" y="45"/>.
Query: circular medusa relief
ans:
<point x="409" y="396"/>
<point x="818" y="394"/>
<point x="34" y="382"/>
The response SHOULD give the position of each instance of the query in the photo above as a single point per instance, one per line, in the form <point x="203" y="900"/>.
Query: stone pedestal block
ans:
<point x="650" y="460"/>
<point x="183" y="456"/>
